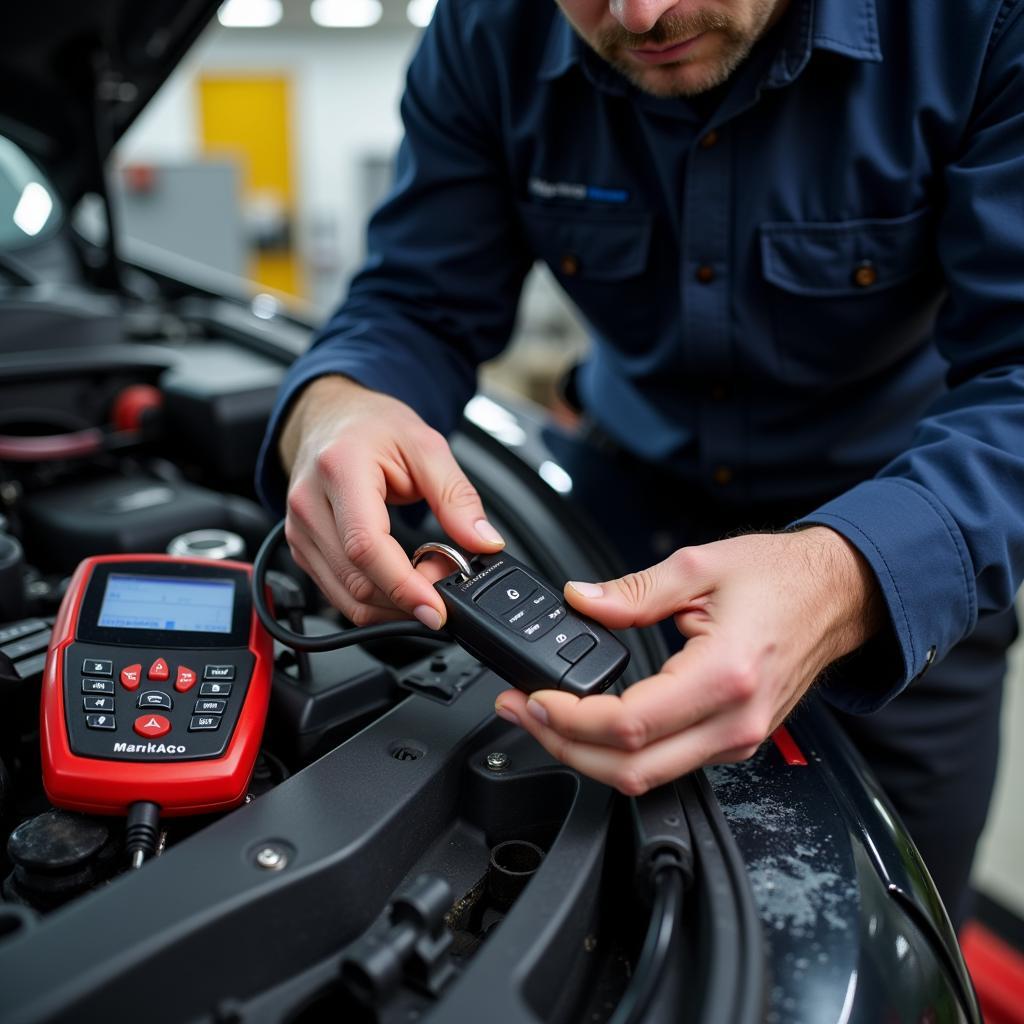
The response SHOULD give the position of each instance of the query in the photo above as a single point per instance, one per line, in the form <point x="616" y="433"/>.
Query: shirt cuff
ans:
<point x="921" y="562"/>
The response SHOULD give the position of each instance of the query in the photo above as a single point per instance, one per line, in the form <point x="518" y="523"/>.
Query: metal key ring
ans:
<point x="434" y="547"/>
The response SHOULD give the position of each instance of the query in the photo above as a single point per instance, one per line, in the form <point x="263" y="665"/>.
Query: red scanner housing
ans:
<point x="152" y="752"/>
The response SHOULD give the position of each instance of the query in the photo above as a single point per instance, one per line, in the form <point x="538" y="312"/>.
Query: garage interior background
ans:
<point x="263" y="156"/>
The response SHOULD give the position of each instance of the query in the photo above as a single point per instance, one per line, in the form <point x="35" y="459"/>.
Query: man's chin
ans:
<point x="667" y="81"/>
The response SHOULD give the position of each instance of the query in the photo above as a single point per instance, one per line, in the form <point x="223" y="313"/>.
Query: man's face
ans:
<point x="673" y="47"/>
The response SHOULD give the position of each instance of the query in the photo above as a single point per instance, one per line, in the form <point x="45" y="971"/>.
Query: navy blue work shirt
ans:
<point x="810" y="282"/>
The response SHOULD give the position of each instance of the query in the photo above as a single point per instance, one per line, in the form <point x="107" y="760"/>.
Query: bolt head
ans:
<point x="271" y="858"/>
<point x="497" y="761"/>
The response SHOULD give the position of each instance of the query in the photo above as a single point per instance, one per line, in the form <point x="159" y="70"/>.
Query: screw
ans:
<point x="271" y="858"/>
<point x="497" y="761"/>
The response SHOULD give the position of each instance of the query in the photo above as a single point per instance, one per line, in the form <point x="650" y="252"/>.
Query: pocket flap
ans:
<point x="845" y="257"/>
<point x="587" y="245"/>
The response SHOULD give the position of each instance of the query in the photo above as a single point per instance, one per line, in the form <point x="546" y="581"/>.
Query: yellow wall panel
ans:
<point x="247" y="118"/>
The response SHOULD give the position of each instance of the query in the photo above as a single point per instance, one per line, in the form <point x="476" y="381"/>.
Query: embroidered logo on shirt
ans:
<point x="571" y="190"/>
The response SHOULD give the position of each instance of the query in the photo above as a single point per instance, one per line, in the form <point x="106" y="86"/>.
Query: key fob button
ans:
<point x="504" y="594"/>
<point x="543" y="624"/>
<point x="575" y="649"/>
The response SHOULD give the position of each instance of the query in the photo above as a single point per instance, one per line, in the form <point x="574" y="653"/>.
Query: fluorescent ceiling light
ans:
<point x="249" y="13"/>
<point x="346" y="13"/>
<point x="33" y="209"/>
<point x="419" y="12"/>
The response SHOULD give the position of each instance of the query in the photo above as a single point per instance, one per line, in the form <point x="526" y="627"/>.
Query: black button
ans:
<point x="97" y="686"/>
<point x="219" y="672"/>
<point x="27" y="645"/>
<point x="538" y="601"/>
<point x="705" y="274"/>
<point x="500" y="597"/>
<point x="547" y="622"/>
<point x="210" y="707"/>
<point x="97" y="667"/>
<point x="98" y="703"/>
<point x="154" y="699"/>
<point x="203" y="723"/>
<point x="573" y="650"/>
<point x="30" y="666"/>
<point x="214" y="689"/>
<point x="19" y="629"/>
<point x="100" y="721"/>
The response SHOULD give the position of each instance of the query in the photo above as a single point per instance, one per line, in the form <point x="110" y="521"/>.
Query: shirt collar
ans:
<point x="847" y="27"/>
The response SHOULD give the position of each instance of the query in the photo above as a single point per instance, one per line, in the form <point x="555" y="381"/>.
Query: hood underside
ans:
<point x="74" y="76"/>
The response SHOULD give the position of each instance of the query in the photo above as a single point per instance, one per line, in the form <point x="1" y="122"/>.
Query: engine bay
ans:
<point x="382" y="772"/>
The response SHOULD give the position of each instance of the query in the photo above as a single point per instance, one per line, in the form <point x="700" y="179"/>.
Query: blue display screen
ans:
<point x="167" y="603"/>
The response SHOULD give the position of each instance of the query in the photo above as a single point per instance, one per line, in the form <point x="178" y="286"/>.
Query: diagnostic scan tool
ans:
<point x="156" y="686"/>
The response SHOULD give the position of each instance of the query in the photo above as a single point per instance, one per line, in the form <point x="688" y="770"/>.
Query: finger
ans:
<point x="362" y="522"/>
<point x="452" y="498"/>
<point x="682" y="582"/>
<point x="699" y="681"/>
<point x="310" y="528"/>
<point x="309" y="558"/>
<point x="635" y="772"/>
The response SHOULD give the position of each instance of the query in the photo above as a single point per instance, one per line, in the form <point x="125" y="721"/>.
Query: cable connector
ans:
<point x="142" y="830"/>
<point x="662" y="836"/>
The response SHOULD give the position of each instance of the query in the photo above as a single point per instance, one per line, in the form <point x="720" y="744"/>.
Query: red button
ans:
<point x="130" y="677"/>
<point x="186" y="679"/>
<point x="159" y="670"/>
<point x="152" y="725"/>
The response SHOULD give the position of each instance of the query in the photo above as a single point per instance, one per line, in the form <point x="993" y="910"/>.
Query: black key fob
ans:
<point x="519" y="626"/>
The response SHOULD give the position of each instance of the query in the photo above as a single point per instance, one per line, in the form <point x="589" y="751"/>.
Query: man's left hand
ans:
<point x="763" y="615"/>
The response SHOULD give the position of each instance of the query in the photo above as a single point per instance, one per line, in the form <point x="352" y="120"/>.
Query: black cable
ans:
<point x="142" y="829"/>
<point x="326" y="641"/>
<point x="668" y="901"/>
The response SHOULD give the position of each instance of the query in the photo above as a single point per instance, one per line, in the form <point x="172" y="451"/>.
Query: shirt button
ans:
<point x="569" y="264"/>
<point x="722" y="475"/>
<point x="709" y="140"/>
<point x="705" y="274"/>
<point x="865" y="274"/>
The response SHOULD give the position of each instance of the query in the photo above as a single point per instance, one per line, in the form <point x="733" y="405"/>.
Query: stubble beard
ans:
<point x="688" y="76"/>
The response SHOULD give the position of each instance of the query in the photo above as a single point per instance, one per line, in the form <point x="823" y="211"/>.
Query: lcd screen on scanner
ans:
<point x="167" y="602"/>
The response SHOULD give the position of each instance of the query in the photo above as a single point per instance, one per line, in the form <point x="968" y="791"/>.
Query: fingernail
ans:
<point x="488" y="532"/>
<point x="507" y="713"/>
<point x="587" y="589"/>
<point x="430" y="617"/>
<point x="538" y="711"/>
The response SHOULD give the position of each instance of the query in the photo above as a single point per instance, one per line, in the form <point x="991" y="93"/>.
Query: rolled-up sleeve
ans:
<point x="942" y="525"/>
<point x="446" y="261"/>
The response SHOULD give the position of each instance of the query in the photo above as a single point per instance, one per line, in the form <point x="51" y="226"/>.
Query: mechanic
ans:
<point x="795" y="228"/>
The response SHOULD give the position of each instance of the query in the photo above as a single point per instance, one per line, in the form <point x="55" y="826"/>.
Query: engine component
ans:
<point x="12" y="578"/>
<point x="216" y="545"/>
<point x="57" y="856"/>
<point x="512" y="864"/>
<point x="64" y="525"/>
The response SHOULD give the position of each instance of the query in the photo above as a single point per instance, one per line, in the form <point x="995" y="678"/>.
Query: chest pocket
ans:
<point x="587" y="246"/>
<point x="849" y="297"/>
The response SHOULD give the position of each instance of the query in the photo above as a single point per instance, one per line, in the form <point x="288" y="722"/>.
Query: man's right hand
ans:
<point x="350" y="453"/>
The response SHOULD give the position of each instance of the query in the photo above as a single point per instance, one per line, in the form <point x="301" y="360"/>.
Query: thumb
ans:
<point x="645" y="597"/>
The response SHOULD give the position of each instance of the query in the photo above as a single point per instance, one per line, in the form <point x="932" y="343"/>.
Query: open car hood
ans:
<point x="74" y="76"/>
